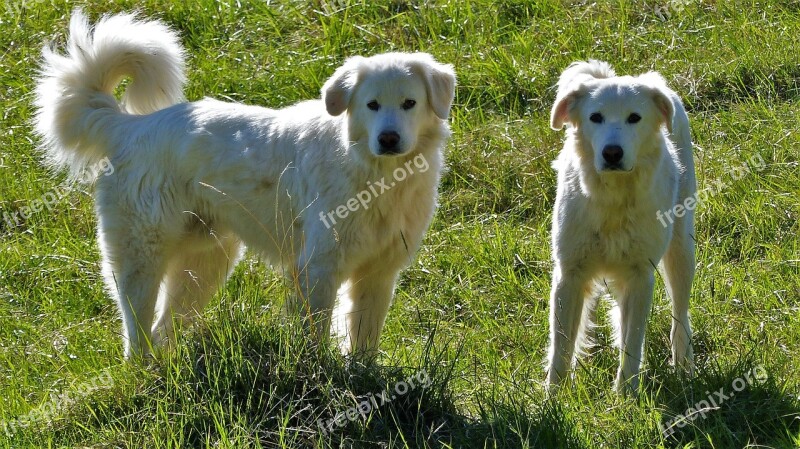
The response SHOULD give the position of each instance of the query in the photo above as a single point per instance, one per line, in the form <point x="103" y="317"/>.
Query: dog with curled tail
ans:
<point x="625" y="174"/>
<point x="195" y="182"/>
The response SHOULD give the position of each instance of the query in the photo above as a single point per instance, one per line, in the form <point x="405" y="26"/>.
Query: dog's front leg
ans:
<point x="566" y="305"/>
<point x="316" y="294"/>
<point x="370" y="296"/>
<point x="634" y="304"/>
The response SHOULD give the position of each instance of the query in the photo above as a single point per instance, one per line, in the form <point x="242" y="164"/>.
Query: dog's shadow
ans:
<point x="283" y="389"/>
<point x="731" y="404"/>
<point x="360" y="402"/>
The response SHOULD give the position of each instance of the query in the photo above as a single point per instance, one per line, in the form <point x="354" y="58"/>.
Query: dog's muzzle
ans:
<point x="389" y="142"/>
<point x="612" y="155"/>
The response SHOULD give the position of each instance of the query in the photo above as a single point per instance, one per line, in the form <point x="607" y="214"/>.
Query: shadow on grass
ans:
<point x="740" y="404"/>
<point x="254" y="384"/>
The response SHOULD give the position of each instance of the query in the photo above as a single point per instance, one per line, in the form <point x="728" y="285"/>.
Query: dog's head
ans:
<point x="391" y="99"/>
<point x="617" y="119"/>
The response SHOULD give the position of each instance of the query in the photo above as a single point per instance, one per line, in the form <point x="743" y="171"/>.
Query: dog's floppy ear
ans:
<point x="336" y="92"/>
<point x="571" y="85"/>
<point x="440" y="83"/>
<point x="665" y="106"/>
<point x="566" y="99"/>
<point x="661" y="94"/>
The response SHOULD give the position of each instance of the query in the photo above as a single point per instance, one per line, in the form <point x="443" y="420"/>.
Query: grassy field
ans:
<point x="467" y="334"/>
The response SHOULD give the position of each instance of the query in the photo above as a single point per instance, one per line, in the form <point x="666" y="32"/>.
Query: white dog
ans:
<point x="626" y="162"/>
<point x="306" y="187"/>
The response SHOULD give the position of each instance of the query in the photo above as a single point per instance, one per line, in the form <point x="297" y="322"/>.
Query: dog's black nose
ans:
<point x="388" y="141"/>
<point x="612" y="154"/>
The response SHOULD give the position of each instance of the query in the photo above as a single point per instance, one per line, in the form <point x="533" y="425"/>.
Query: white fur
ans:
<point x="606" y="228"/>
<point x="195" y="181"/>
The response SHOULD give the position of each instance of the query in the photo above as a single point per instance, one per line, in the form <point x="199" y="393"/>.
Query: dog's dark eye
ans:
<point x="408" y="104"/>
<point x="373" y="105"/>
<point x="596" y="117"/>
<point x="634" y="118"/>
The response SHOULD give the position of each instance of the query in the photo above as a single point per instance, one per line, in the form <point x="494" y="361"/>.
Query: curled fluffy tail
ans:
<point x="77" y="111"/>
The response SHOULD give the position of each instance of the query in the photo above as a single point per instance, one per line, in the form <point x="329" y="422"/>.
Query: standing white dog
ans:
<point x="195" y="181"/>
<point x="626" y="162"/>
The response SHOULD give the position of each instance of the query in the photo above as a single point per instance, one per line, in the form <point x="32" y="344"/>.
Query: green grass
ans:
<point x="471" y="312"/>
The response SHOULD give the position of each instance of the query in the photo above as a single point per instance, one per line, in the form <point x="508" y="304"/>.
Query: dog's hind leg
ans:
<point x="133" y="267"/>
<point x="634" y="307"/>
<point x="678" y="271"/>
<point x="567" y="298"/>
<point x="193" y="276"/>
<point x="587" y="331"/>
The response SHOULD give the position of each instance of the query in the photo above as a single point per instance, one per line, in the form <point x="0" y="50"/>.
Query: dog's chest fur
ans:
<point x="394" y="221"/>
<point x="623" y="233"/>
<point x="611" y="221"/>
